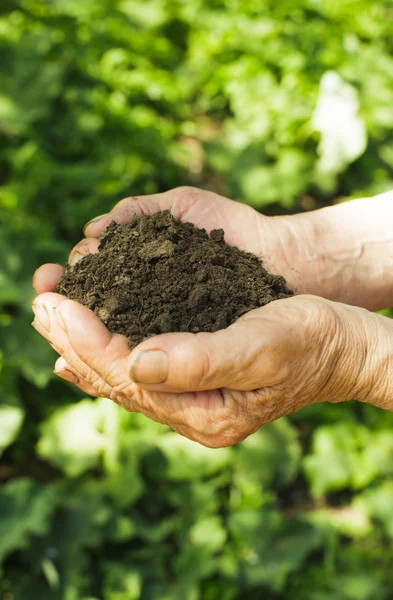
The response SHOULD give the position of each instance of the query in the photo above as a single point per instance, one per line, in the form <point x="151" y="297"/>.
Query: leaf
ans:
<point x="209" y="533"/>
<point x="121" y="582"/>
<point x="377" y="503"/>
<point x="25" y="510"/>
<point x="182" y="459"/>
<point x="74" y="438"/>
<point x="347" y="456"/>
<point x="11" y="418"/>
<point x="270" y="457"/>
<point x="268" y="548"/>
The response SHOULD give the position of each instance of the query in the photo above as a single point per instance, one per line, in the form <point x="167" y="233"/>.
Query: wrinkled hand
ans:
<point x="213" y="388"/>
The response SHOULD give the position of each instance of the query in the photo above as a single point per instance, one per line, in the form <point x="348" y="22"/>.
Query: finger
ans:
<point x="240" y="357"/>
<point x="46" y="323"/>
<point x="83" y="340"/>
<point x="93" y="353"/>
<point x="79" y="382"/>
<point x="64" y="370"/>
<point x="102" y="359"/>
<point x="46" y="278"/>
<point x="125" y="210"/>
<point x="82" y="249"/>
<point x="94" y="356"/>
<point x="185" y="203"/>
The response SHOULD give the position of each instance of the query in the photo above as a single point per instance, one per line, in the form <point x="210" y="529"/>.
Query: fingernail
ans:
<point x="42" y="316"/>
<point x="95" y="220"/>
<point x="75" y="258"/>
<point x="67" y="375"/>
<point x="149" y="367"/>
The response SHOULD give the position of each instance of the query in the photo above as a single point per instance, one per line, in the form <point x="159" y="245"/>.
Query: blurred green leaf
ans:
<point x="270" y="458"/>
<point x="208" y="533"/>
<point x="75" y="438"/>
<point x="121" y="582"/>
<point x="11" y="418"/>
<point x="347" y="456"/>
<point x="184" y="459"/>
<point x="25" y="510"/>
<point x="268" y="548"/>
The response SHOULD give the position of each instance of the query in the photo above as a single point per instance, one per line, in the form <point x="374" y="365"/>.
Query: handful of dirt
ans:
<point x="156" y="275"/>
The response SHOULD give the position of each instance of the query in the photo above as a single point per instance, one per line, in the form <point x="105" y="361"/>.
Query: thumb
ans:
<point x="239" y="358"/>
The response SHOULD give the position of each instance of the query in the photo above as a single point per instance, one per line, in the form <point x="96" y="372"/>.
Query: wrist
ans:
<point x="377" y="378"/>
<point x="365" y="357"/>
<point x="294" y="252"/>
<point x="341" y="252"/>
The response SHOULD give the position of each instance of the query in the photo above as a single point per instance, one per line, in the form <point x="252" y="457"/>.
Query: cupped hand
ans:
<point x="214" y="388"/>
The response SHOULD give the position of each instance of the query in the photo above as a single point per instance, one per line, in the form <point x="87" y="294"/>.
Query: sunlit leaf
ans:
<point x="11" y="418"/>
<point x="75" y="438"/>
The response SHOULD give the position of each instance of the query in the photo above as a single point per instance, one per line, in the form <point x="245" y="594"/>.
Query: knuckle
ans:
<point x="202" y="373"/>
<point x="188" y="193"/>
<point x="124" y="203"/>
<point x="324" y="319"/>
<point x="185" y="190"/>
<point x="103" y="389"/>
<point x="317" y="308"/>
<point x="124" y="390"/>
<point x="195" y="360"/>
<point x="125" y="209"/>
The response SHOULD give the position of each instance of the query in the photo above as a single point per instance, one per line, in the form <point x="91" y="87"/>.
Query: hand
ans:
<point x="215" y="388"/>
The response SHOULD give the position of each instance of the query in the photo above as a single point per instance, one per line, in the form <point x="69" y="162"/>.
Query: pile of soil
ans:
<point x="155" y="275"/>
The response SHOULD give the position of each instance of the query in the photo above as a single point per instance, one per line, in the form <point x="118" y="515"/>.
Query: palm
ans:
<point x="213" y="411"/>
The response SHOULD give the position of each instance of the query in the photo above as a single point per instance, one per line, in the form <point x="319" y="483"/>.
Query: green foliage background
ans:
<point x="103" y="99"/>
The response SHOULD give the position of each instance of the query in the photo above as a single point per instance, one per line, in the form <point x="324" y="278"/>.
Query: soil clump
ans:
<point x="157" y="275"/>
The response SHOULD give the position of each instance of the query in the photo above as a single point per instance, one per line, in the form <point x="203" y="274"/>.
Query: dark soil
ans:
<point x="156" y="275"/>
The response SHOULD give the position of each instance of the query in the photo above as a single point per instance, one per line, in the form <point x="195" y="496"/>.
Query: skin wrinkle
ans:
<point x="378" y="388"/>
<point x="364" y="358"/>
<point x="69" y="375"/>
<point x="325" y="267"/>
<point x="335" y="361"/>
<point x="206" y="366"/>
<point x="289" y="252"/>
<point x="335" y="345"/>
<point x="248" y="361"/>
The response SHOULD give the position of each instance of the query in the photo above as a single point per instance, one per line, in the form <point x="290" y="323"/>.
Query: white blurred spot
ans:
<point x="336" y="117"/>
